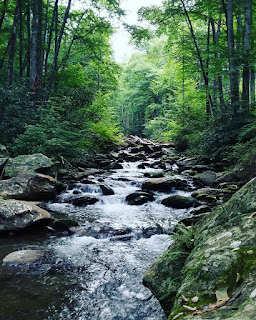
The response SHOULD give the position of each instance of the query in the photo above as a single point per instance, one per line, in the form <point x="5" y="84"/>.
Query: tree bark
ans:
<point x="55" y="62"/>
<point x="28" y="42"/>
<point x="206" y="80"/>
<point x="234" y="74"/>
<point x="20" y="41"/>
<point x="3" y="13"/>
<point x="33" y="48"/>
<point x="12" y="46"/>
<point x="50" y="36"/>
<point x="246" y="53"/>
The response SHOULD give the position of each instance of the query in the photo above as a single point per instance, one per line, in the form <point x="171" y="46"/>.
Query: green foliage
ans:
<point x="51" y="136"/>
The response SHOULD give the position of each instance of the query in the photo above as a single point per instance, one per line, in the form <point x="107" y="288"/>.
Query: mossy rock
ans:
<point x="224" y="255"/>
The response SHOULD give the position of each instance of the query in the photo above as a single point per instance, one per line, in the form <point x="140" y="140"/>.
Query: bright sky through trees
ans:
<point x="121" y="39"/>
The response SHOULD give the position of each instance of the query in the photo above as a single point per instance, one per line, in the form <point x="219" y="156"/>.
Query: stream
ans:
<point x="99" y="269"/>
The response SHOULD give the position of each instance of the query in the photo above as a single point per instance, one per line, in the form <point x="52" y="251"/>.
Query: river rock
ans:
<point x="139" y="198"/>
<point x="211" y="194"/>
<point x="26" y="163"/>
<point x="29" y="186"/>
<point x="222" y="260"/>
<point x="106" y="190"/>
<point x="164" y="184"/>
<point x="83" y="201"/>
<point x="178" y="202"/>
<point x="208" y="178"/>
<point x="200" y="209"/>
<point x="24" y="257"/>
<point x="17" y="215"/>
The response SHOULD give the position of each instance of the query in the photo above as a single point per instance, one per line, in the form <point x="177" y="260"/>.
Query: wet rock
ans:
<point x="27" y="163"/>
<point x="107" y="191"/>
<point x="115" y="165"/>
<point x="24" y="257"/>
<point x="178" y="202"/>
<point x="29" y="186"/>
<point x="141" y="166"/>
<point x="164" y="184"/>
<point x="157" y="155"/>
<point x="139" y="198"/>
<point x="200" y="209"/>
<point x="83" y="201"/>
<point x="192" y="220"/>
<point x="64" y="224"/>
<point x="211" y="194"/>
<point x="150" y="231"/>
<point x="208" y="178"/>
<point x="17" y="215"/>
<point x="122" y="238"/>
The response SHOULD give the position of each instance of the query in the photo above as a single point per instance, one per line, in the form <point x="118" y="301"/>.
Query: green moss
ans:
<point x="205" y="196"/>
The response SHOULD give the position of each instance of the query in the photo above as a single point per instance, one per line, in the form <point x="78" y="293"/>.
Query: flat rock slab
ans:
<point x="29" y="186"/>
<point x="24" y="257"/>
<point x="16" y="215"/>
<point x="26" y="163"/>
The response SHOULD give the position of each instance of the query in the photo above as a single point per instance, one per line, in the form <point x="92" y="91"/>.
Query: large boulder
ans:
<point x="164" y="184"/>
<point x="17" y="215"/>
<point x="215" y="278"/>
<point x="178" y="202"/>
<point x="26" y="163"/>
<point x="29" y="186"/>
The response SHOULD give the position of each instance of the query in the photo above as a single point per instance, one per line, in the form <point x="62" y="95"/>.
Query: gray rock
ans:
<point x="27" y="163"/>
<point x="164" y="184"/>
<point x="178" y="202"/>
<point x="17" y="215"/>
<point x="139" y="198"/>
<point x="22" y="257"/>
<point x="208" y="178"/>
<point x="29" y="186"/>
<point x="83" y="201"/>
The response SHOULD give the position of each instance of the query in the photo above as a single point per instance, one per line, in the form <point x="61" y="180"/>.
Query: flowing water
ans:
<point x="99" y="269"/>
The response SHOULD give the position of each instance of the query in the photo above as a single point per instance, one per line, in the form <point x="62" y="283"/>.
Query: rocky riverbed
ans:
<point x="82" y="252"/>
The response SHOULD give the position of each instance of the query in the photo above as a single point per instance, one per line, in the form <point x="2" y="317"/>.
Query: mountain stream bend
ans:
<point x="102" y="264"/>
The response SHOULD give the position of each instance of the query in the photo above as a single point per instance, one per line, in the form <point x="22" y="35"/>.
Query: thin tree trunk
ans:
<point x="39" y="47"/>
<point x="50" y="36"/>
<point x="206" y="80"/>
<point x="3" y="13"/>
<point x="28" y="43"/>
<point x="55" y="62"/>
<point x="252" y="87"/>
<point x="34" y="49"/>
<point x="234" y="74"/>
<point x="209" y="108"/>
<point x="21" y="41"/>
<point x="216" y="36"/>
<point x="12" y="46"/>
<point x="246" y="52"/>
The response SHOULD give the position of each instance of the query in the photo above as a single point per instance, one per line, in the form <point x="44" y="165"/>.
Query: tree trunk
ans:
<point x="21" y="41"/>
<point x="246" y="52"/>
<point x="3" y="13"/>
<point x="206" y="80"/>
<point x="55" y="62"/>
<point x="218" y="81"/>
<point x="234" y="74"/>
<point x="28" y="43"/>
<point x="50" y="36"/>
<point x="12" y="46"/>
<point x="33" y="49"/>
